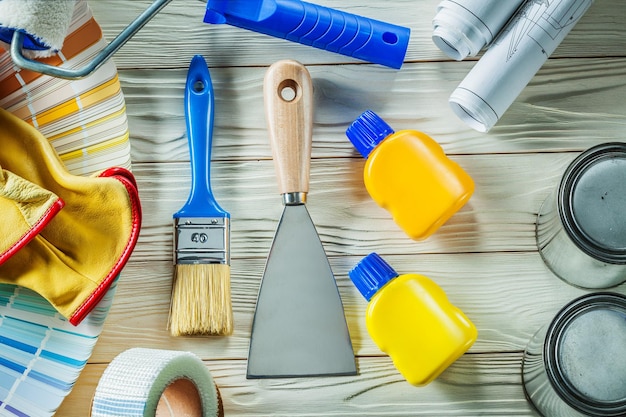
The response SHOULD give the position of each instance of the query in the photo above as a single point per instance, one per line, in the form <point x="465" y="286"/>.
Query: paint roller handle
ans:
<point x="19" y="39"/>
<point x="318" y="26"/>
<point x="288" y="95"/>
<point x="199" y="103"/>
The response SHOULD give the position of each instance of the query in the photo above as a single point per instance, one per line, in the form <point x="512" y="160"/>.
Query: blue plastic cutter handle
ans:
<point x="318" y="26"/>
<point x="199" y="102"/>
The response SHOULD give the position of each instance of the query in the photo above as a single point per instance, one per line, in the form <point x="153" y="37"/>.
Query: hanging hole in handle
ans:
<point x="390" y="38"/>
<point x="289" y="90"/>
<point x="198" y="86"/>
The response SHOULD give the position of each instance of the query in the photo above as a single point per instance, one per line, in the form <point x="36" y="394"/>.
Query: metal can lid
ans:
<point x="592" y="202"/>
<point x="584" y="354"/>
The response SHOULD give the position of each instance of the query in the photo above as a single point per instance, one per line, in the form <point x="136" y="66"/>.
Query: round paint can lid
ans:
<point x="592" y="199"/>
<point x="585" y="356"/>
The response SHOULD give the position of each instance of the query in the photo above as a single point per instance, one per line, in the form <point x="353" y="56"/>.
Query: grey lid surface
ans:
<point x="592" y="354"/>
<point x="584" y="354"/>
<point x="593" y="202"/>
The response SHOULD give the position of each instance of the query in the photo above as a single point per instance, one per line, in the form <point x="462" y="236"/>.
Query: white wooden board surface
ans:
<point x="485" y="257"/>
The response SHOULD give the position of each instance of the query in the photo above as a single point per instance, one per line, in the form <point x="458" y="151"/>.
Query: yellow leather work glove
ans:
<point x="74" y="259"/>
<point x="25" y="209"/>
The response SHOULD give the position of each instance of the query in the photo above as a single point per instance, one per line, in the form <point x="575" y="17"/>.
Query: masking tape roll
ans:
<point x="143" y="382"/>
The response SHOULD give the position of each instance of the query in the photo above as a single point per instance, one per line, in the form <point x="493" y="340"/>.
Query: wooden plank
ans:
<point x="484" y="258"/>
<point x="570" y="105"/>
<point x="500" y="216"/>
<point x="475" y="385"/>
<point x="178" y="31"/>
<point x="508" y="296"/>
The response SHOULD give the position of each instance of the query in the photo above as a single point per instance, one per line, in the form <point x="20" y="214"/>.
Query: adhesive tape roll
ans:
<point x="143" y="382"/>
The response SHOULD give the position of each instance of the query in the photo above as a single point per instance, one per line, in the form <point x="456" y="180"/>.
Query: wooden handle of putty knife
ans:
<point x="288" y="95"/>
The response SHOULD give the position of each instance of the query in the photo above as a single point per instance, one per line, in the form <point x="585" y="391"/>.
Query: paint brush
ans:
<point x="201" y="303"/>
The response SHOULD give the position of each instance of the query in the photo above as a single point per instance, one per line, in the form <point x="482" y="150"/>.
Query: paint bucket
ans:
<point x="576" y="366"/>
<point x="581" y="227"/>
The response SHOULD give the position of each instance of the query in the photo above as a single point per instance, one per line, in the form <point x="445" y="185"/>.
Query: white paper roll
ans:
<point x="461" y="28"/>
<point x="513" y="59"/>
<point x="144" y="382"/>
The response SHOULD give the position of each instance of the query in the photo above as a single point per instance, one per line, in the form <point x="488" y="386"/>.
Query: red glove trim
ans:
<point x="128" y="180"/>
<point x="34" y="230"/>
<point x="120" y="172"/>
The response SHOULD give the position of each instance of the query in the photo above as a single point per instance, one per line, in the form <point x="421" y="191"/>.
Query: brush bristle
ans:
<point x="201" y="303"/>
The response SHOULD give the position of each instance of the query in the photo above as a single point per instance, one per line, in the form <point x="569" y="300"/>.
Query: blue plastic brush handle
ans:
<point x="318" y="26"/>
<point x="199" y="102"/>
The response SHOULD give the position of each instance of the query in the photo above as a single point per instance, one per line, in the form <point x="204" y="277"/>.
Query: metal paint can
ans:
<point x="581" y="226"/>
<point x="576" y="366"/>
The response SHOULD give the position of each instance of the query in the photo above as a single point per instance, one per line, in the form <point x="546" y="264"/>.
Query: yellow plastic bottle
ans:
<point x="410" y="318"/>
<point x="408" y="174"/>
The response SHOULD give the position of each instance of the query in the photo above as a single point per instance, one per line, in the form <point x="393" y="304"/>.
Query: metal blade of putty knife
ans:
<point x="299" y="326"/>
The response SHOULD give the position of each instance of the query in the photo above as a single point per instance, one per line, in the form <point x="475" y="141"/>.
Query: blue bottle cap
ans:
<point x="371" y="274"/>
<point x="367" y="131"/>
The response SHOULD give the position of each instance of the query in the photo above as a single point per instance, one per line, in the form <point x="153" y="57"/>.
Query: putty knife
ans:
<point x="299" y="326"/>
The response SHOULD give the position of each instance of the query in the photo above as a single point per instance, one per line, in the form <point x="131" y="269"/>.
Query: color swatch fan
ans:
<point x="41" y="353"/>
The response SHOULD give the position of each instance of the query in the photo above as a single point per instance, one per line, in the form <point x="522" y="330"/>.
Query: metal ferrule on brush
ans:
<point x="200" y="240"/>
<point x="294" y="199"/>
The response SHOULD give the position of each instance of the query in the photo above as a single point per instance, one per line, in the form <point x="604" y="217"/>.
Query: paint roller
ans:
<point x="37" y="28"/>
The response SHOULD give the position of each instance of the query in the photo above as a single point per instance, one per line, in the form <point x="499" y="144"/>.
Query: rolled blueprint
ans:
<point x="513" y="59"/>
<point x="461" y="28"/>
